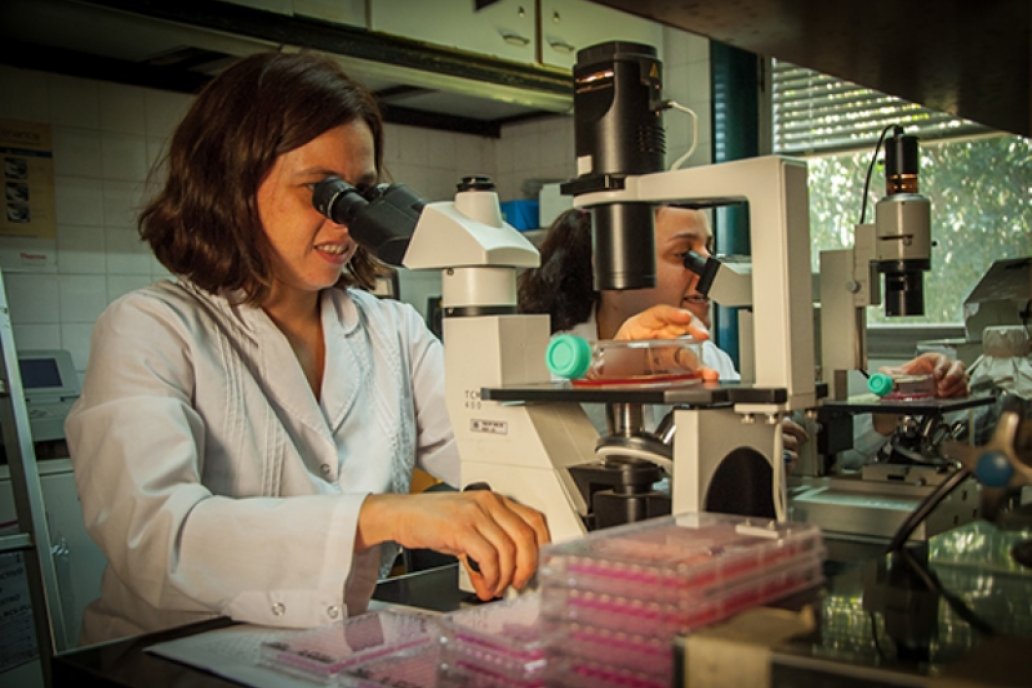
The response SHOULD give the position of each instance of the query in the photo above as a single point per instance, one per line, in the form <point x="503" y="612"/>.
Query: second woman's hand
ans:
<point x="662" y="322"/>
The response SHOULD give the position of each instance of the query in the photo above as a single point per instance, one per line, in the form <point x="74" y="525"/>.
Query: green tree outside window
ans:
<point x="981" y="195"/>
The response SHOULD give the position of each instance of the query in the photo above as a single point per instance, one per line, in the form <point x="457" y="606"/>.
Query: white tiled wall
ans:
<point x="106" y="136"/>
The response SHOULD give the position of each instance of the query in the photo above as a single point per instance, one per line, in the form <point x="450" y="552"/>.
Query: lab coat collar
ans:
<point x="245" y="319"/>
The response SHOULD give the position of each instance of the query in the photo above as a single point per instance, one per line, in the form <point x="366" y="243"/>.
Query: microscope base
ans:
<point x="874" y="508"/>
<point x="722" y="463"/>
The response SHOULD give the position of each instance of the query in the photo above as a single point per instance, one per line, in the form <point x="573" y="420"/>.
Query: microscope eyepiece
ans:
<point x="380" y="218"/>
<point x="338" y="200"/>
<point x="476" y="182"/>
<point x="903" y="228"/>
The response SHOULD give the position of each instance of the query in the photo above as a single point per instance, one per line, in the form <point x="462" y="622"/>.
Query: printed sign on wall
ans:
<point x="26" y="154"/>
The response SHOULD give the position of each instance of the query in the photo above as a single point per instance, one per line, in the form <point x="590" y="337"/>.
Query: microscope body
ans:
<point x="526" y="450"/>
<point x="521" y="450"/>
<point x="897" y="245"/>
<point x="727" y="456"/>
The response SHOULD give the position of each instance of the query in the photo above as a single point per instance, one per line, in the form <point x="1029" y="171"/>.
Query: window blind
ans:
<point x="817" y="113"/>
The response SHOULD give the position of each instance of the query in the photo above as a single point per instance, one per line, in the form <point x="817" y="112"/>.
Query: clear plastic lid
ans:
<point x="611" y="361"/>
<point x="902" y="387"/>
<point x="321" y="654"/>
<point x="503" y="640"/>
<point x="678" y="558"/>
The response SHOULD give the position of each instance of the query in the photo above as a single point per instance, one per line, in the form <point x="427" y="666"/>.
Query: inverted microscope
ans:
<point x="875" y="498"/>
<point x="528" y="437"/>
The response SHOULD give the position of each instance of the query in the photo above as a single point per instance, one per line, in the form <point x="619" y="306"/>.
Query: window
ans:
<point x="978" y="181"/>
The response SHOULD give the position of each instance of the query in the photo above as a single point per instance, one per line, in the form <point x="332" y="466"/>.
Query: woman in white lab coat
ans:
<point x="246" y="433"/>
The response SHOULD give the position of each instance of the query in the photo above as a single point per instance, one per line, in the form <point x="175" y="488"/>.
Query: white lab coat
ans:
<point x="216" y="483"/>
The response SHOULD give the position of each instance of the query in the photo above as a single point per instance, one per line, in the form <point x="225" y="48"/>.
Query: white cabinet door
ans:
<point x="569" y="25"/>
<point x="78" y="560"/>
<point x="502" y="29"/>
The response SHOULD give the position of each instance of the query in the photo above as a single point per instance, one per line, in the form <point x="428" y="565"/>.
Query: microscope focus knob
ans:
<point x="993" y="469"/>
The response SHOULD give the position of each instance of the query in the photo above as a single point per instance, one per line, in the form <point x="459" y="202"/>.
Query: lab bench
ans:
<point x="875" y="624"/>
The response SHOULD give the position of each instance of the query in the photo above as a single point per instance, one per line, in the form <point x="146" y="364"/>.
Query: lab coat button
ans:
<point x="279" y="609"/>
<point x="333" y="611"/>
<point x="324" y="469"/>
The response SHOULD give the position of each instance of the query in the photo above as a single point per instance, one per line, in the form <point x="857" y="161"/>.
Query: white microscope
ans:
<point x="727" y="447"/>
<point x="522" y="450"/>
<point x="520" y="433"/>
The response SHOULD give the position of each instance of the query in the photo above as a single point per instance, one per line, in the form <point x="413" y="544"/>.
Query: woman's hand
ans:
<point x="500" y="534"/>
<point x="792" y="436"/>
<point x="662" y="322"/>
<point x="668" y="322"/>
<point x="951" y="378"/>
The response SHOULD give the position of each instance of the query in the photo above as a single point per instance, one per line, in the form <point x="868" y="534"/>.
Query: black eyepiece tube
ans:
<point x="904" y="287"/>
<point x="618" y="131"/>
<point x="623" y="241"/>
<point x="705" y="268"/>
<point x="382" y="219"/>
<point x="902" y="164"/>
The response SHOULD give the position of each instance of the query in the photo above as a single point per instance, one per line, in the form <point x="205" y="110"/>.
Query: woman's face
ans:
<point x="308" y="250"/>
<point x="678" y="230"/>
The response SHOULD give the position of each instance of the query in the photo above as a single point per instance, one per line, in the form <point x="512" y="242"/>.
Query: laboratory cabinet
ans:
<point x="503" y="29"/>
<point x="350" y="12"/>
<point x="569" y="25"/>
<point x="509" y="29"/>
<point x="278" y="6"/>
<point x="77" y="559"/>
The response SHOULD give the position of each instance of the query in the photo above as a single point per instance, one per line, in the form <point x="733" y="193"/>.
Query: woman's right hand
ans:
<point x="662" y="322"/>
<point x="500" y="534"/>
<point x="667" y="322"/>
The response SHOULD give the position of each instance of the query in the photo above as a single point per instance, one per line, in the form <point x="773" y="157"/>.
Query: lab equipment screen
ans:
<point x="39" y="373"/>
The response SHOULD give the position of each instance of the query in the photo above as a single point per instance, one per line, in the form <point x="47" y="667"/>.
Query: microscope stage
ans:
<point x="693" y="394"/>
<point x="869" y="403"/>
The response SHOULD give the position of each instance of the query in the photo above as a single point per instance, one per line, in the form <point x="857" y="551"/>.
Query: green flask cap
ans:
<point x="568" y="356"/>
<point x="880" y="383"/>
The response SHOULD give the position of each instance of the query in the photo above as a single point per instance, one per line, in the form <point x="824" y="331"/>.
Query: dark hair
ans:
<point x="562" y="286"/>
<point x="204" y="223"/>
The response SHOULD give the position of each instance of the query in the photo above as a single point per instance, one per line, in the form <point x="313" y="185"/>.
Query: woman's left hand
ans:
<point x="951" y="378"/>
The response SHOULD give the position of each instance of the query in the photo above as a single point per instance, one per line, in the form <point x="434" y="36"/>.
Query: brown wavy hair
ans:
<point x="562" y="286"/>
<point x="204" y="223"/>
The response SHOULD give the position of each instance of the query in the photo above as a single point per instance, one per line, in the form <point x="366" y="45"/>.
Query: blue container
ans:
<point x="522" y="214"/>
